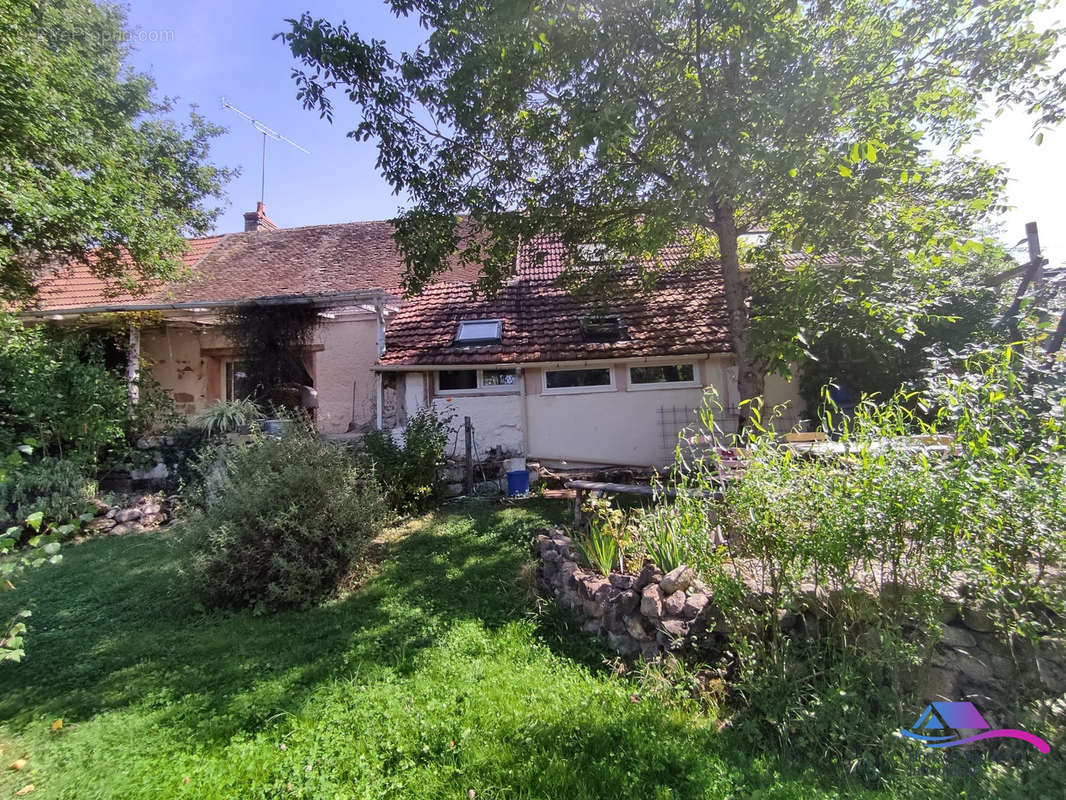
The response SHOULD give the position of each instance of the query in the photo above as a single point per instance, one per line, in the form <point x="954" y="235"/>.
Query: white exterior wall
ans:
<point x="497" y="420"/>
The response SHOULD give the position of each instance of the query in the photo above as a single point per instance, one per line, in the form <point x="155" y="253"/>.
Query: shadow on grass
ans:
<point x="116" y="625"/>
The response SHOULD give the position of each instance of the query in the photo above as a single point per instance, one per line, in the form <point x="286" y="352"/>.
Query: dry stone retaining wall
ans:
<point x="652" y="613"/>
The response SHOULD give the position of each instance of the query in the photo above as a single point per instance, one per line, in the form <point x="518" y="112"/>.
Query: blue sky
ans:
<point x="201" y="50"/>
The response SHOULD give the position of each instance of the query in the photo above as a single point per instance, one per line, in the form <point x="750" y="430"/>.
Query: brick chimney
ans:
<point x="258" y="220"/>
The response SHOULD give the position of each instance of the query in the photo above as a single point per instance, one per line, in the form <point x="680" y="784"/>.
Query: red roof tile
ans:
<point x="684" y="314"/>
<point x="75" y="286"/>
<point x="311" y="260"/>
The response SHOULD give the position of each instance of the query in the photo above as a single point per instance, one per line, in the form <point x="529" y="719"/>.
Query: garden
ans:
<point x="316" y="622"/>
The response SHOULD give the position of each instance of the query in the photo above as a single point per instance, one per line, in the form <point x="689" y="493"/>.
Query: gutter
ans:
<point x="369" y="295"/>
<point x="587" y="362"/>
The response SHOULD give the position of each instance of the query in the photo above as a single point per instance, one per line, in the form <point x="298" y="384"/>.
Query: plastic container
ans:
<point x="517" y="482"/>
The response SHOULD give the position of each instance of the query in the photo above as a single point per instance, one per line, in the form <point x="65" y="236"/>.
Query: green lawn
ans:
<point x="435" y="678"/>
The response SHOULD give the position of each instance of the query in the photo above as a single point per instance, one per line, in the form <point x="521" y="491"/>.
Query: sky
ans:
<point x="199" y="51"/>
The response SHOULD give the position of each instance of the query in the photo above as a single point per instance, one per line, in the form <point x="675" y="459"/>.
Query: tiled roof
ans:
<point x="546" y="258"/>
<point x="684" y="314"/>
<point x="312" y="260"/>
<point x="75" y="286"/>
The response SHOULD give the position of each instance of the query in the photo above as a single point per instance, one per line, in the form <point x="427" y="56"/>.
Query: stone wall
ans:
<point x="652" y="613"/>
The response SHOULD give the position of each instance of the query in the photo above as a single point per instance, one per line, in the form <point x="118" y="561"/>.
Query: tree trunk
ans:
<point x="751" y="377"/>
<point x="133" y="366"/>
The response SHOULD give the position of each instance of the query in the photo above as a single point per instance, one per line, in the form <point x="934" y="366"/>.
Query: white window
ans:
<point x="662" y="376"/>
<point x="572" y="381"/>
<point x="479" y="331"/>
<point x="235" y="380"/>
<point x="456" y="381"/>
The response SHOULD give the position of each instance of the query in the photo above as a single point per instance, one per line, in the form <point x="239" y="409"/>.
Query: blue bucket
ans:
<point x="517" y="482"/>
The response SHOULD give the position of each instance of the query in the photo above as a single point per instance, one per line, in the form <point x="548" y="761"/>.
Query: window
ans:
<point x="235" y="377"/>
<point x="473" y="380"/>
<point x="601" y="329"/>
<point x="479" y="331"/>
<point x="462" y="380"/>
<point x="651" y="375"/>
<point x="578" y="379"/>
<point x="499" y="377"/>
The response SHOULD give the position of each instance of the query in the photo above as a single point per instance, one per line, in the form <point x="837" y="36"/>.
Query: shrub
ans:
<point x="59" y="388"/>
<point x="409" y="473"/>
<point x="286" y="521"/>
<point x="56" y="488"/>
<point x="879" y="530"/>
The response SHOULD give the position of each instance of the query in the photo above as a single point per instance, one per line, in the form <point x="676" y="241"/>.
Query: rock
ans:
<point x="967" y="665"/>
<point x="674" y="603"/>
<point x="937" y="684"/>
<point x="1051" y="664"/>
<point x="545" y="546"/>
<point x="649" y="574"/>
<point x="592" y="626"/>
<point x="651" y="601"/>
<point x="627" y="602"/>
<point x="100" y="524"/>
<point x="622" y="643"/>
<point x="622" y="582"/>
<point x="99" y="506"/>
<point x="152" y="520"/>
<point x="590" y="584"/>
<point x="637" y="628"/>
<point x="127" y="514"/>
<point x="957" y="637"/>
<point x="604" y="593"/>
<point x="592" y="609"/>
<point x="676" y="580"/>
<point x="977" y="619"/>
<point x="124" y="528"/>
<point x="551" y="555"/>
<point x="111" y="512"/>
<point x="674" y="628"/>
<point x="550" y="569"/>
<point x="694" y="605"/>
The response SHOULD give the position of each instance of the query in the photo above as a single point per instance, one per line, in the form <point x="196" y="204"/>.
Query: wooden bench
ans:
<point x="582" y="489"/>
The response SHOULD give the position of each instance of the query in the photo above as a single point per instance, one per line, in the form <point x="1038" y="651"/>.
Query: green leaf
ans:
<point x="35" y="519"/>
<point x="845" y="171"/>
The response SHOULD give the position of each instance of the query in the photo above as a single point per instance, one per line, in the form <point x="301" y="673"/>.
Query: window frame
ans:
<point x="643" y="387"/>
<point x="497" y="339"/>
<point x="608" y="387"/>
<point x="226" y="384"/>
<point x="481" y="388"/>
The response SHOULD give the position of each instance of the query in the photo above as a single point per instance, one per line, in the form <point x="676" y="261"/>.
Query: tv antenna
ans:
<point x="267" y="133"/>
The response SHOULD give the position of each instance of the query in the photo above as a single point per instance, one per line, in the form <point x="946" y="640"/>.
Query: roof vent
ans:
<point x="602" y="329"/>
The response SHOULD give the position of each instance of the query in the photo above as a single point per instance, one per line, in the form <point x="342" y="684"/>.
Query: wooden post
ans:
<point x="468" y="433"/>
<point x="1033" y="240"/>
<point x="133" y="365"/>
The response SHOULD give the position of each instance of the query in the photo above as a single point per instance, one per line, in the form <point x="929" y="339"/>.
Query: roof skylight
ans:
<point x="479" y="331"/>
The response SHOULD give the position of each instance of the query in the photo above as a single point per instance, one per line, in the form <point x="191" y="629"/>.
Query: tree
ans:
<point x="90" y="167"/>
<point x="637" y="123"/>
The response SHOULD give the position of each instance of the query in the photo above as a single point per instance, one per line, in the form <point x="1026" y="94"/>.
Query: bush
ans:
<point x="285" y="521"/>
<point x="874" y="535"/>
<point x="58" y="388"/>
<point x="409" y="473"/>
<point x="56" y="488"/>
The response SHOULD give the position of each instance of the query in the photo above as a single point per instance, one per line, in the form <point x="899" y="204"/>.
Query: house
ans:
<point x="351" y="273"/>
<point x="565" y="380"/>
<point x="541" y="373"/>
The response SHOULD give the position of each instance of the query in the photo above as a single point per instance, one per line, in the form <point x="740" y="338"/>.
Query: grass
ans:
<point x="434" y="678"/>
